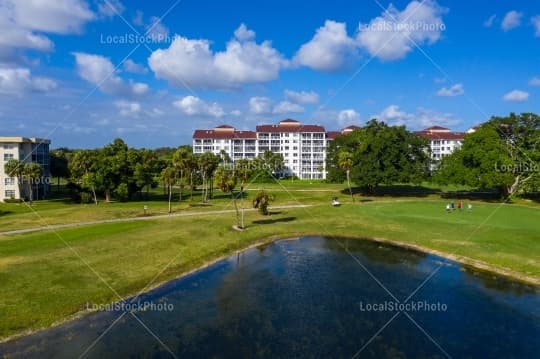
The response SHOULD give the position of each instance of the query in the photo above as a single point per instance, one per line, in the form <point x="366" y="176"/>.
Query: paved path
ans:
<point x="133" y="219"/>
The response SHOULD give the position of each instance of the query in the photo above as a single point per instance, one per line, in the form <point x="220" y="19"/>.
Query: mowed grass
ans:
<point x="49" y="276"/>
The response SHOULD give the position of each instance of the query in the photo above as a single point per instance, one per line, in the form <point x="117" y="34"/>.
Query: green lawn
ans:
<point x="48" y="276"/>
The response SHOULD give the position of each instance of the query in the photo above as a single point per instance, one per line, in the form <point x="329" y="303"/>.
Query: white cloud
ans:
<point x="535" y="20"/>
<point x="192" y="63"/>
<point x="535" y="81"/>
<point x="331" y="49"/>
<point x="285" y="107"/>
<point x="490" y="20"/>
<point x="516" y="96"/>
<point x="423" y="118"/>
<point x="133" y="67"/>
<point x="138" y="19"/>
<point x="17" y="81"/>
<point x="59" y="16"/>
<point x="302" y="97"/>
<point x="110" y="8"/>
<point x="156" y="30"/>
<point x="348" y="117"/>
<point x="128" y="109"/>
<point x="99" y="71"/>
<point x="21" y="21"/>
<point x="194" y="106"/>
<point x="260" y="106"/>
<point x="392" y="35"/>
<point x="440" y="80"/>
<point x="455" y="90"/>
<point x="244" y="34"/>
<point x="511" y="20"/>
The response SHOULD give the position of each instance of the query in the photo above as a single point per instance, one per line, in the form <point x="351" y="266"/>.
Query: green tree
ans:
<point x="207" y="164"/>
<point x="226" y="181"/>
<point x="14" y="169"/>
<point x="82" y="170"/>
<point x="32" y="174"/>
<point x="503" y="154"/>
<point x="59" y="164"/>
<point x="169" y="178"/>
<point x="345" y="162"/>
<point x="183" y="161"/>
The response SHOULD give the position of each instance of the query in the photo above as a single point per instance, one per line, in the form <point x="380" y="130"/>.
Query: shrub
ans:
<point x="12" y="200"/>
<point x="86" y="197"/>
<point x="122" y="192"/>
<point x="261" y="202"/>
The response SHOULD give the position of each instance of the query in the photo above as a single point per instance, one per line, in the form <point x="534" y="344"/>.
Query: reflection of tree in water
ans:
<point x="499" y="283"/>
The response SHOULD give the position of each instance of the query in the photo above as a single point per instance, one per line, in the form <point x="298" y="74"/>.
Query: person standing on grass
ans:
<point x="452" y="205"/>
<point x="448" y="207"/>
<point x="469" y="207"/>
<point x="459" y="205"/>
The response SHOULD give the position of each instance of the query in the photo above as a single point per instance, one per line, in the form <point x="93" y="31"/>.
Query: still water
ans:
<point x="311" y="298"/>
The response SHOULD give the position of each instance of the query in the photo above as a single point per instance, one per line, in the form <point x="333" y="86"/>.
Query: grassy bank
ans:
<point x="48" y="276"/>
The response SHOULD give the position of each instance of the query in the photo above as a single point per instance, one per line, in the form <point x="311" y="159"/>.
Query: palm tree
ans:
<point x="226" y="181"/>
<point x="182" y="160"/>
<point x="345" y="162"/>
<point x="32" y="172"/>
<point x="169" y="177"/>
<point x="14" y="169"/>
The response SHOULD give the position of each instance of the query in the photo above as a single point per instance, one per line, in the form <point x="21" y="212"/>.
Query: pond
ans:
<point x="311" y="298"/>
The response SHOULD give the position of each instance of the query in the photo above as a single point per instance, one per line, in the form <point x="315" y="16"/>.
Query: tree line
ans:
<point x="502" y="154"/>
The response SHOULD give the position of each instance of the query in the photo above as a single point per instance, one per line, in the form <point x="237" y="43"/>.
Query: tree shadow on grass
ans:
<point x="394" y="191"/>
<point x="272" y="221"/>
<point x="3" y="213"/>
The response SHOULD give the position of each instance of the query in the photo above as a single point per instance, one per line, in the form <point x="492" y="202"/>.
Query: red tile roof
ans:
<point x="285" y="128"/>
<point x="436" y="128"/>
<point x="218" y="135"/>
<point x="331" y="135"/>
<point x="441" y="135"/>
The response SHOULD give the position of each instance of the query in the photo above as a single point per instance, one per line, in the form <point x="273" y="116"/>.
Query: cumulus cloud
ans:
<point x="331" y="49"/>
<point x="511" y="20"/>
<point x="394" y="34"/>
<point x="348" y="117"/>
<point x="192" y="62"/>
<point x="535" y="81"/>
<point x="22" y="22"/>
<point x="156" y="30"/>
<point x="244" y="34"/>
<point x="423" y="118"/>
<point x="455" y="90"/>
<point x="490" y="20"/>
<point x="194" y="106"/>
<point x="99" y="70"/>
<point x="535" y="20"/>
<point x="128" y="108"/>
<point x="302" y="97"/>
<point x="133" y="67"/>
<point x="19" y="80"/>
<point x="260" y="105"/>
<point x="285" y="107"/>
<point x="110" y="8"/>
<point x="516" y="96"/>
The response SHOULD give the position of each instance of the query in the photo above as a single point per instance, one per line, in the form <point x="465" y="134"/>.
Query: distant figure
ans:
<point x="448" y="207"/>
<point x="453" y="205"/>
<point x="469" y="207"/>
<point x="335" y="202"/>
<point x="459" y="205"/>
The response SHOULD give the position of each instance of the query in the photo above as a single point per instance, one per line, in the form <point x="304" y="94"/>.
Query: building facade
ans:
<point x="26" y="150"/>
<point x="442" y="142"/>
<point x="303" y="146"/>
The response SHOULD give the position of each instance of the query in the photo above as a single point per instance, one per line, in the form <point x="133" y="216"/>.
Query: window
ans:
<point x="9" y="193"/>
<point x="9" y="146"/>
<point x="8" y="156"/>
<point x="8" y="181"/>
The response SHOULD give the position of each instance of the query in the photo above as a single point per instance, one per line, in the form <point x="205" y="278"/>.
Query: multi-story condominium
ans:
<point x="442" y="141"/>
<point x="26" y="150"/>
<point x="303" y="146"/>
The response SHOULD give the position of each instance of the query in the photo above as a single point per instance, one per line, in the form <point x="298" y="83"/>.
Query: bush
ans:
<point x="122" y="192"/>
<point x="12" y="200"/>
<point x="86" y="197"/>
<point x="261" y="202"/>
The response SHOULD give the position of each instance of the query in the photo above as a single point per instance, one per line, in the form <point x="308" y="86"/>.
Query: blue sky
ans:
<point x="83" y="72"/>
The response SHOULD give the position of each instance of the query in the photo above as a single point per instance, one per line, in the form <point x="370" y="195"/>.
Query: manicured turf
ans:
<point x="48" y="276"/>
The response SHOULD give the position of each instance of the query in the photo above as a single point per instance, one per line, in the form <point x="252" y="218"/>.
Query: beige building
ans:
<point x="26" y="150"/>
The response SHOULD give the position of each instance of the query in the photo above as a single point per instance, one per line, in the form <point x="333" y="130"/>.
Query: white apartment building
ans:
<point x="303" y="146"/>
<point x="442" y="141"/>
<point x="26" y="150"/>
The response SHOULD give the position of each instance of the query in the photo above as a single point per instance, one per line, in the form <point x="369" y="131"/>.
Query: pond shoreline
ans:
<point x="469" y="262"/>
